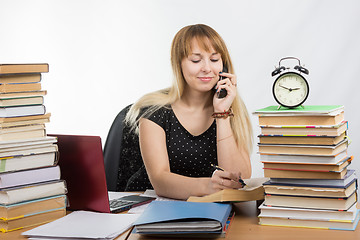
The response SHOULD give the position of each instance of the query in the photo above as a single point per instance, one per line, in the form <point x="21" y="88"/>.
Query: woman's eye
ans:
<point x="195" y="61"/>
<point x="215" y="60"/>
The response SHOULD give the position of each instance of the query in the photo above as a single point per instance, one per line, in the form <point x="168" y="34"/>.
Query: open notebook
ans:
<point x="82" y="167"/>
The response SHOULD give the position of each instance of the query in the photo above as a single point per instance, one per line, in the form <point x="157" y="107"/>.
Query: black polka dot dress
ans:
<point x="189" y="155"/>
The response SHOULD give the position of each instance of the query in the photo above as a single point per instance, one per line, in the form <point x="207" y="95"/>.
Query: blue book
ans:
<point x="186" y="218"/>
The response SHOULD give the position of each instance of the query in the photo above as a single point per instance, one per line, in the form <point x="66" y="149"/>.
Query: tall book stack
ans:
<point x="31" y="192"/>
<point x="304" y="151"/>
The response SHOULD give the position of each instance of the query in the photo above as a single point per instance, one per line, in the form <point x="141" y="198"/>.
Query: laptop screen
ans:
<point x="82" y="167"/>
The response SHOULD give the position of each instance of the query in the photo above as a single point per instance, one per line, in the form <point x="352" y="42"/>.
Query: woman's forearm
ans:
<point x="177" y="186"/>
<point x="230" y="156"/>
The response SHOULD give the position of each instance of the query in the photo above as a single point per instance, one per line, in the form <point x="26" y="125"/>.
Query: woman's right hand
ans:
<point x="229" y="84"/>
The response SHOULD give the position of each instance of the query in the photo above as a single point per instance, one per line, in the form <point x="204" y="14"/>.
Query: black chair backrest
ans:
<point x="112" y="149"/>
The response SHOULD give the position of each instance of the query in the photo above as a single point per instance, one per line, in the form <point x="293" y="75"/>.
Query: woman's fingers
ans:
<point x="230" y="77"/>
<point x="224" y="179"/>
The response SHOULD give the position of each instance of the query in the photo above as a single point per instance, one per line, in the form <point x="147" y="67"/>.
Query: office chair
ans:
<point x="124" y="167"/>
<point x="113" y="151"/>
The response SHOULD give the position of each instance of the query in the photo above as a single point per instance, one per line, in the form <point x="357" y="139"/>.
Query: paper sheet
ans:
<point x="149" y="193"/>
<point x="85" y="224"/>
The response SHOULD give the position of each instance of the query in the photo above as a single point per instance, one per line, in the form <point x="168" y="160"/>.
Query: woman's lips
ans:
<point x="205" y="79"/>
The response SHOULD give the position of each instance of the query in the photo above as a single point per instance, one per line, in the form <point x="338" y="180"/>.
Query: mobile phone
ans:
<point x="222" y="93"/>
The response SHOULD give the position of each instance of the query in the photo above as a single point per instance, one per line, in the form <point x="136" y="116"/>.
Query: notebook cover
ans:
<point x="162" y="211"/>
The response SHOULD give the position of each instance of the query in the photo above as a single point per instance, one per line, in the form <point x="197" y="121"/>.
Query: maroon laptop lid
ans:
<point x="82" y="167"/>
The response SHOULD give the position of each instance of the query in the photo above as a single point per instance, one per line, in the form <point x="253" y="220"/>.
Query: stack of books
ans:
<point x="305" y="154"/>
<point x="31" y="191"/>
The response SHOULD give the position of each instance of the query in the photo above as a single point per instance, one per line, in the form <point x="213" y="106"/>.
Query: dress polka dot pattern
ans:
<point x="189" y="155"/>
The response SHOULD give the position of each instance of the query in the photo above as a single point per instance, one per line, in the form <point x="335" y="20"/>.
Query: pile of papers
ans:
<point x="84" y="224"/>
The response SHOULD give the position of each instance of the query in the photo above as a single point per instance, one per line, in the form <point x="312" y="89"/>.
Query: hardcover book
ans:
<point x="25" y="101"/>
<point x="307" y="131"/>
<point x="31" y="176"/>
<point x="19" y="87"/>
<point x="31" y="207"/>
<point x="24" y="120"/>
<point x="21" y="111"/>
<point x="307" y="110"/>
<point x="328" y="203"/>
<point x="20" y="78"/>
<point x="31" y="161"/>
<point x="252" y="191"/>
<point x="24" y="68"/>
<point x="308" y="222"/>
<point x="302" y="213"/>
<point x="341" y="183"/>
<point x="303" y="158"/>
<point x="303" y="149"/>
<point x="32" y="220"/>
<point x="308" y="140"/>
<point x="315" y="191"/>
<point x="27" y="150"/>
<point x="309" y="166"/>
<point x="301" y="120"/>
<point x="303" y="174"/>
<point x="22" y="94"/>
<point x="27" y="142"/>
<point x="31" y="191"/>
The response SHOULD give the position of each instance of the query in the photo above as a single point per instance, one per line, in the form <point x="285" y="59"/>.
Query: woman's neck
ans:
<point x="195" y="100"/>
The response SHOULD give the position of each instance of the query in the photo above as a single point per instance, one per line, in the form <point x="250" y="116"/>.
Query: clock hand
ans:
<point x="285" y="87"/>
<point x="290" y="89"/>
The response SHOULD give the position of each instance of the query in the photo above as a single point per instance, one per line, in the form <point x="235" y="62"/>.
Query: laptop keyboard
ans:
<point x="126" y="202"/>
<point x="118" y="203"/>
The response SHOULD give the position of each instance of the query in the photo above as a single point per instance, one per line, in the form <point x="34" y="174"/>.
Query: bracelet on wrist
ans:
<point x="224" y="114"/>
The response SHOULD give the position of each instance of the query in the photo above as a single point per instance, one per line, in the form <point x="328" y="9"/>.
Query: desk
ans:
<point x="245" y="226"/>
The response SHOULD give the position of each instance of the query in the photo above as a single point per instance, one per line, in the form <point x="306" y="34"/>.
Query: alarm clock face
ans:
<point x="290" y="89"/>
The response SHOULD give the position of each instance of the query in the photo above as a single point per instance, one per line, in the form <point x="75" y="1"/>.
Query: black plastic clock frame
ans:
<point x="290" y="72"/>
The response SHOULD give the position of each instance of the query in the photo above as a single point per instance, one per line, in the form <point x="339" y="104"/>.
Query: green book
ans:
<point x="301" y="110"/>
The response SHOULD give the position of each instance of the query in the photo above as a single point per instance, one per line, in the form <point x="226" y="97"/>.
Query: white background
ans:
<point x="105" y="54"/>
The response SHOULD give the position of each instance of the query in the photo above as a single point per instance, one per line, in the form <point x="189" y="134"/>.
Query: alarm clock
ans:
<point x="290" y="88"/>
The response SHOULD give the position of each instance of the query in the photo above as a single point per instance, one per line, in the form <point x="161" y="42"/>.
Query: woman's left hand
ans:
<point x="229" y="84"/>
<point x="224" y="179"/>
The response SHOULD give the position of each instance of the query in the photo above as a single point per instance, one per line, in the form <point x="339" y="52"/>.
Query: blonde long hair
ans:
<point x="181" y="48"/>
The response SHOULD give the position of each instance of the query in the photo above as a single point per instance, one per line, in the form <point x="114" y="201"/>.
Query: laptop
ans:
<point x="82" y="167"/>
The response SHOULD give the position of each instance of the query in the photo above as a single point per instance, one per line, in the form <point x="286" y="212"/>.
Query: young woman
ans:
<point x="186" y="128"/>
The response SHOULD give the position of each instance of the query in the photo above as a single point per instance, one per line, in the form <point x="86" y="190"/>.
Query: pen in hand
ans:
<point x="221" y="169"/>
